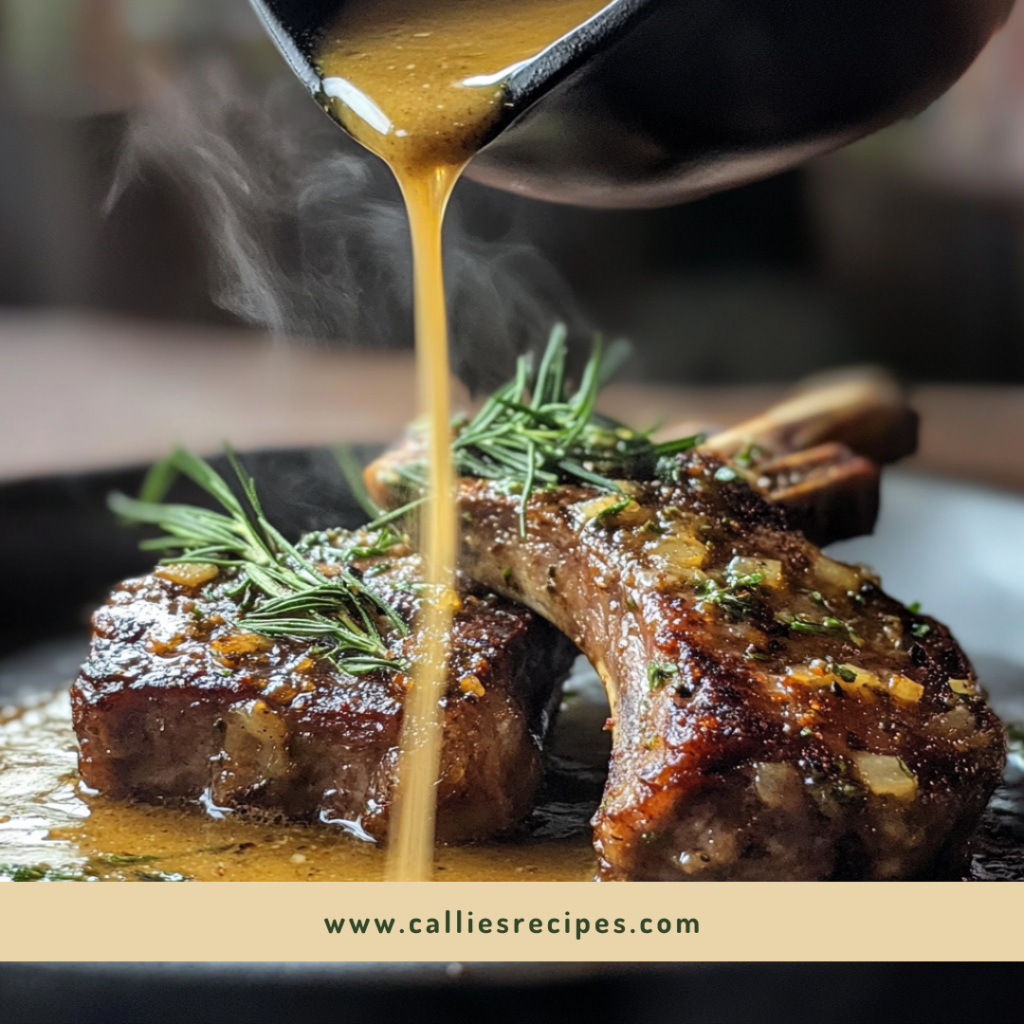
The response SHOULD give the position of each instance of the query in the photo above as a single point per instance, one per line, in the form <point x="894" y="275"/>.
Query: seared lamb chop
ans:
<point x="775" y="715"/>
<point x="178" y="702"/>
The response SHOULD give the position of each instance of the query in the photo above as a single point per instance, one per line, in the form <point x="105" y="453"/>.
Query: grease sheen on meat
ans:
<point x="775" y="714"/>
<point x="177" y="704"/>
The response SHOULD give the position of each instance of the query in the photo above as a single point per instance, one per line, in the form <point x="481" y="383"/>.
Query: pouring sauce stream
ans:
<point x="420" y="84"/>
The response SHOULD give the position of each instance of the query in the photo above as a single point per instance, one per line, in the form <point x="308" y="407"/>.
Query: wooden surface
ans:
<point x="79" y="394"/>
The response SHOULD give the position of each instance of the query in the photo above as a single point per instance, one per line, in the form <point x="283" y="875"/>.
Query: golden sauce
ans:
<point x="420" y="83"/>
<point x="47" y="829"/>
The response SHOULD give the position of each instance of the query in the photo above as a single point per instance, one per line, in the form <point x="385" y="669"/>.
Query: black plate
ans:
<point x="953" y="547"/>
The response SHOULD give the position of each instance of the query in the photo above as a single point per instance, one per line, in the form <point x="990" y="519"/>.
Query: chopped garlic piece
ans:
<point x="962" y="686"/>
<point x="775" y="783"/>
<point x="836" y="574"/>
<point x="165" y="648"/>
<point x="240" y="643"/>
<point x="957" y="724"/>
<point x="677" y="551"/>
<point x="905" y="690"/>
<point x="863" y="685"/>
<point x="470" y="684"/>
<point x="886" y="775"/>
<point x="809" y="675"/>
<point x="188" y="574"/>
<point x="630" y="487"/>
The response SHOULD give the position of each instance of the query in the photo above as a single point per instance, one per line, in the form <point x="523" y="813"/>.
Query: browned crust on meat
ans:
<point x="749" y="758"/>
<point x="177" y="704"/>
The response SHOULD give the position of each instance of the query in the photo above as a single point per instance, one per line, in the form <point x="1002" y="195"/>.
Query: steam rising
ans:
<point x="306" y="233"/>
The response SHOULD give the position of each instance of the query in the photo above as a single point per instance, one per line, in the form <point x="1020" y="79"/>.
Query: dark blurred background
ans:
<point x="905" y="249"/>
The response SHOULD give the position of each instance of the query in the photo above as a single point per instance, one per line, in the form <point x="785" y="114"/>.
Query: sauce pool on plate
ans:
<point x="49" y="831"/>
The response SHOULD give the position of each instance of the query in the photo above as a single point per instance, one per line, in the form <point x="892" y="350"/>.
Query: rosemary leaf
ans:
<point x="282" y="593"/>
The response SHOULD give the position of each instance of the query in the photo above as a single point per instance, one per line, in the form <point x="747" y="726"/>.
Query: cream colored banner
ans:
<point x="555" y="921"/>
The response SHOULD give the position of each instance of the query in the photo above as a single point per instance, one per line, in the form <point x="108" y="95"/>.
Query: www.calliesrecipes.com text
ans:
<point x="458" y="922"/>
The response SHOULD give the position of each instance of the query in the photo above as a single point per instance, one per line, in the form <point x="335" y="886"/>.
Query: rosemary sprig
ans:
<point x="534" y="433"/>
<point x="287" y="594"/>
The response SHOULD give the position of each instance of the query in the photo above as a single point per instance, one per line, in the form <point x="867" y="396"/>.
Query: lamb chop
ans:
<point x="775" y="715"/>
<point x="198" y="688"/>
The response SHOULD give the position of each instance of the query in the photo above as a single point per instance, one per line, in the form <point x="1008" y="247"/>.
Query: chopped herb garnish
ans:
<point x="921" y="630"/>
<point x="846" y="674"/>
<point x="288" y="596"/>
<point x="746" y="581"/>
<point x="734" y="598"/>
<point x="914" y="608"/>
<point x="659" y="673"/>
<point x="828" y="626"/>
<point x="846" y="791"/>
<point x="726" y="474"/>
<point x="39" y="873"/>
